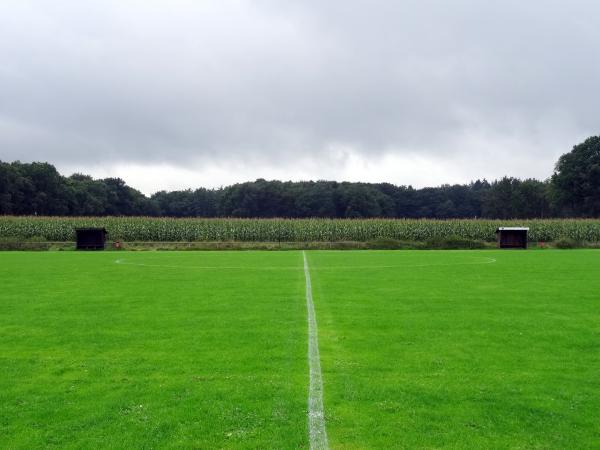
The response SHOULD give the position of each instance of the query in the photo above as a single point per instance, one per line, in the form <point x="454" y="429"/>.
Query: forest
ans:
<point x="573" y="190"/>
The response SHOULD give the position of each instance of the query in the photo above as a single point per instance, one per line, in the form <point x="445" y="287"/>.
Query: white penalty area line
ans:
<point x="316" y="417"/>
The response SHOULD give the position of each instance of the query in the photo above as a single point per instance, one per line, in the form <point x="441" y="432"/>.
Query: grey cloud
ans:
<point x="270" y="81"/>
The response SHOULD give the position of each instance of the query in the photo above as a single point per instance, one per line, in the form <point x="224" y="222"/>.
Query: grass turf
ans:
<point x="102" y="355"/>
<point x="208" y="350"/>
<point x="450" y="350"/>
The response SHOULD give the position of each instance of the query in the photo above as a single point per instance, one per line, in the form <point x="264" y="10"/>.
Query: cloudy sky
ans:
<point x="185" y="93"/>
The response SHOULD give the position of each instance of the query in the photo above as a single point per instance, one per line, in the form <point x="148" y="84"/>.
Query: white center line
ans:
<point x="316" y="417"/>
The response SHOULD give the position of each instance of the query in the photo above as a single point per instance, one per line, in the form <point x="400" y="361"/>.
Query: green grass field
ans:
<point x="418" y="349"/>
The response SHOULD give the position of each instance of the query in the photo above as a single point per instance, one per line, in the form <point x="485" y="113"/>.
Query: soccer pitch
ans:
<point x="416" y="349"/>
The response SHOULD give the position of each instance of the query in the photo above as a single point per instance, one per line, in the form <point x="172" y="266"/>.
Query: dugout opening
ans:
<point x="91" y="238"/>
<point x="512" y="237"/>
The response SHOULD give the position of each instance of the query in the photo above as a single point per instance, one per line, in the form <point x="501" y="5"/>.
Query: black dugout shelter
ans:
<point x="91" y="238"/>
<point x="512" y="237"/>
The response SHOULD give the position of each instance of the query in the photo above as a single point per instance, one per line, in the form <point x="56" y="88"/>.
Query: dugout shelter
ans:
<point x="512" y="237"/>
<point x="91" y="238"/>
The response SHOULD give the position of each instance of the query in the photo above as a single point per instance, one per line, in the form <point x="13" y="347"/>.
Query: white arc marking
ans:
<point x="316" y="417"/>
<point x="125" y="263"/>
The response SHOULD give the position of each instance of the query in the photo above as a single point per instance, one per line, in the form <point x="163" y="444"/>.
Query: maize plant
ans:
<point x="151" y="229"/>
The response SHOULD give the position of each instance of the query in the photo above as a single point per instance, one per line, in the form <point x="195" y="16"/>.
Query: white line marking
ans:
<point x="125" y="263"/>
<point x="316" y="416"/>
<point x="483" y="260"/>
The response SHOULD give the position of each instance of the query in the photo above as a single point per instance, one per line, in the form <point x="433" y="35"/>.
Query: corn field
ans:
<point x="130" y="229"/>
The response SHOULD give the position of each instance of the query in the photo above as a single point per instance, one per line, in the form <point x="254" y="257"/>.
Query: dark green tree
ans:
<point x="574" y="190"/>
<point x="576" y="180"/>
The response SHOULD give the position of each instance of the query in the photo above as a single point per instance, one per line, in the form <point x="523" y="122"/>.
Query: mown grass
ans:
<point x="433" y="350"/>
<point x="99" y="355"/>
<point x="419" y="349"/>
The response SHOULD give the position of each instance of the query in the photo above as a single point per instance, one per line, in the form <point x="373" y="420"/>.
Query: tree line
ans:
<point x="572" y="191"/>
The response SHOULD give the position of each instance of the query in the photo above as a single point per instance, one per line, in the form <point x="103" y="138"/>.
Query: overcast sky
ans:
<point x="176" y="94"/>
